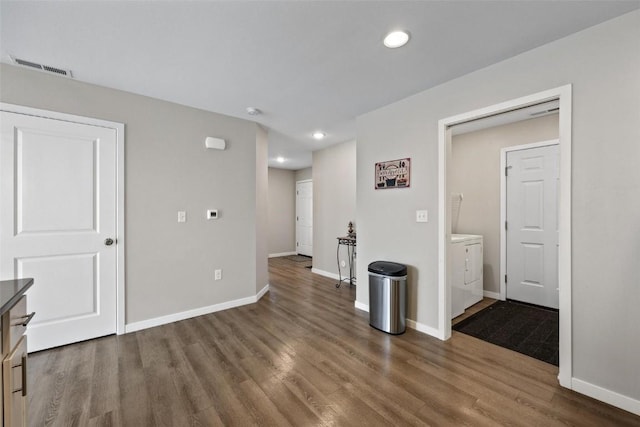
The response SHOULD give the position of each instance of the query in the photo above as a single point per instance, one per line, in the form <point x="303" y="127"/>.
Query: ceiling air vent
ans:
<point x="41" y="67"/>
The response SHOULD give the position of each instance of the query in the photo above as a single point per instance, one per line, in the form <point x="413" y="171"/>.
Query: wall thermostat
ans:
<point x="212" y="214"/>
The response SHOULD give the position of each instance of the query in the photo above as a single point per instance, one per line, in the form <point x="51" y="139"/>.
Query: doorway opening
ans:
<point x="304" y="218"/>
<point x="509" y="209"/>
<point x="563" y="97"/>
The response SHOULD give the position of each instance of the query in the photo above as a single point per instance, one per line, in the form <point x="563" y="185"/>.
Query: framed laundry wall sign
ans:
<point x="393" y="174"/>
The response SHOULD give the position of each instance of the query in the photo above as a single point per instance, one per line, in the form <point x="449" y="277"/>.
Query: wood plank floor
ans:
<point x="486" y="302"/>
<point x="301" y="356"/>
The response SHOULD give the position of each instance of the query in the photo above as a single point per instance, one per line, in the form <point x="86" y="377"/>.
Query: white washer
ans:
<point x="466" y="284"/>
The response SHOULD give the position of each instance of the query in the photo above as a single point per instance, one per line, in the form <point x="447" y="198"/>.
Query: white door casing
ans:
<point x="304" y="218"/>
<point x="59" y="187"/>
<point x="564" y="95"/>
<point x="532" y="181"/>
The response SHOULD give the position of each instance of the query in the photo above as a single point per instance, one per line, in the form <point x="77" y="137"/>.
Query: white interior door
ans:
<point x="304" y="218"/>
<point x="58" y="194"/>
<point x="532" y="225"/>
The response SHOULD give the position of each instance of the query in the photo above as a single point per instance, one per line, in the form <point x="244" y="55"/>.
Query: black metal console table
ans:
<point x="350" y="243"/>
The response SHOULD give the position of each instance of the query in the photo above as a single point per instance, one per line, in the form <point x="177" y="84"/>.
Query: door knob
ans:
<point x="108" y="241"/>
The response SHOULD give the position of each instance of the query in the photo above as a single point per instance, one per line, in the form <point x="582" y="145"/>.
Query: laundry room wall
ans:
<point x="475" y="172"/>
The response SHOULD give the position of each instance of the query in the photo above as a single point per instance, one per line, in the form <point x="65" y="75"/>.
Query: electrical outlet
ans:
<point x="218" y="274"/>
<point x="422" y="216"/>
<point x="182" y="216"/>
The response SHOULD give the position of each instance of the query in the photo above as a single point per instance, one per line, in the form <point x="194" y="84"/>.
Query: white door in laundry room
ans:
<point x="532" y="225"/>
<point x="58" y="224"/>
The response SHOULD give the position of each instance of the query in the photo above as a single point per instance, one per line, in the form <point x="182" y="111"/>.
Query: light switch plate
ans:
<point x="182" y="216"/>
<point x="422" y="216"/>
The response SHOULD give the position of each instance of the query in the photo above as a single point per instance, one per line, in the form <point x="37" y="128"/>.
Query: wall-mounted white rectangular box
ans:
<point x="182" y="216"/>
<point x="215" y="143"/>
<point x="212" y="213"/>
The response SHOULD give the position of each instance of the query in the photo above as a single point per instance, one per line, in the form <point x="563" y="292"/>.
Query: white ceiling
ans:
<point x="308" y="65"/>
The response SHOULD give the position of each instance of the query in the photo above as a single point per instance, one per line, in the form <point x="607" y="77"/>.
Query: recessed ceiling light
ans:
<point x="318" y="135"/>
<point x="253" y="111"/>
<point x="280" y="159"/>
<point x="396" y="39"/>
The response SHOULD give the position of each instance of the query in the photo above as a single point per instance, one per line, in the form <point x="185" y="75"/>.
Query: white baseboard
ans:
<point x="261" y="293"/>
<point x="170" y="318"/>
<point x="421" y="327"/>
<point x="611" y="397"/>
<point x="361" y="306"/>
<point x="325" y="273"/>
<point x="489" y="294"/>
<point x="410" y="323"/>
<point x="281" y="254"/>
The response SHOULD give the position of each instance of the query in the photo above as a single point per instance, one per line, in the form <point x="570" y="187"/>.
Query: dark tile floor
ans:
<point x="524" y="328"/>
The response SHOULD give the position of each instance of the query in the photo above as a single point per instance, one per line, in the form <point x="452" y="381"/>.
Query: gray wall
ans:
<point x="334" y="202"/>
<point x="603" y="65"/>
<point x="303" y="174"/>
<point x="282" y="211"/>
<point x="169" y="266"/>
<point x="261" y="237"/>
<point x="474" y="170"/>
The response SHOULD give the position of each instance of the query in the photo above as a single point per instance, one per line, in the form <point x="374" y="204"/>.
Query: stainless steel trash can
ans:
<point x="388" y="296"/>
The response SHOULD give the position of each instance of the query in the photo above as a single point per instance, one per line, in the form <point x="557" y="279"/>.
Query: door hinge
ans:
<point x="297" y="219"/>
<point x="297" y="244"/>
<point x="506" y="225"/>
<point x="505" y="278"/>
<point x="506" y="170"/>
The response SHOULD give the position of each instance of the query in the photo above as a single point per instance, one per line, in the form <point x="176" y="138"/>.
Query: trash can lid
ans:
<point x="388" y="268"/>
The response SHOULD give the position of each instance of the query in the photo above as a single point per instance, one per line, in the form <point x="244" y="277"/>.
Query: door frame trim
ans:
<point x="120" y="188"/>
<point x="503" y="204"/>
<point x="564" y="95"/>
